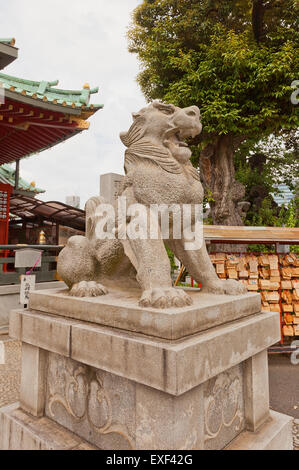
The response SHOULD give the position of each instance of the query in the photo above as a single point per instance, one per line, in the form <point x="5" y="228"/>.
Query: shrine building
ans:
<point x="35" y="116"/>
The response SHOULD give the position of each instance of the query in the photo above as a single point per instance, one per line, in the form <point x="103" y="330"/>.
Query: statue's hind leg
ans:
<point x="78" y="268"/>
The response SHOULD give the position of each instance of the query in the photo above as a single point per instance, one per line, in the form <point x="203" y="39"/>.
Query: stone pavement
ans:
<point x="296" y="434"/>
<point x="284" y="389"/>
<point x="280" y="368"/>
<point x="10" y="371"/>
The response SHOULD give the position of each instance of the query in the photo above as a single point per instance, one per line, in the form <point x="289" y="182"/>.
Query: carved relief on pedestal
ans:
<point x="81" y="392"/>
<point x="223" y="405"/>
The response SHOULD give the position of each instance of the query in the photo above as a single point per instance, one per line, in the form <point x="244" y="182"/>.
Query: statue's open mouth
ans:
<point x="176" y="138"/>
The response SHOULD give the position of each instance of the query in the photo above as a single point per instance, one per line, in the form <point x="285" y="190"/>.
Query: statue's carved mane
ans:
<point x="140" y="148"/>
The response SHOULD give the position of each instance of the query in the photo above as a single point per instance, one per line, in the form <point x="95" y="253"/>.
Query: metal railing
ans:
<point x="11" y="275"/>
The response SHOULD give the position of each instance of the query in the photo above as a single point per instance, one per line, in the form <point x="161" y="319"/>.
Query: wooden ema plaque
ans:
<point x="5" y="192"/>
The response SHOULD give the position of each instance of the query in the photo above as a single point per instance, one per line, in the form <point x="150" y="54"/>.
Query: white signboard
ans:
<point x="2" y="353"/>
<point x="27" y="285"/>
<point x="27" y="258"/>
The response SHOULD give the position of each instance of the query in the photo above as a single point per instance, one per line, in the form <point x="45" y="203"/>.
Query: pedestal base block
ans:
<point x="21" y="431"/>
<point x="275" y="434"/>
<point x="119" y="377"/>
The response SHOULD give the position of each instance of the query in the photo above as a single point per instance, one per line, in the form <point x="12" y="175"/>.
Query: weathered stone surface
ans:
<point x="138" y="358"/>
<point x="110" y="186"/>
<point x="95" y="405"/>
<point x="33" y="380"/>
<point x="224" y="408"/>
<point x="120" y="309"/>
<point x="122" y="389"/>
<point x="158" y="172"/>
<point x="275" y="434"/>
<point x="166" y="422"/>
<point x="43" y="331"/>
<point x="10" y="298"/>
<point x="208" y="354"/>
<point x="20" y="431"/>
<point x="172" y="366"/>
<point x="178" y="372"/>
<point x="256" y="388"/>
<point x="15" y="324"/>
<point x="116" y="413"/>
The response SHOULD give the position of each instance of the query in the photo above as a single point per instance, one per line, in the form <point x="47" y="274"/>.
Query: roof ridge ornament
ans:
<point x="9" y="41"/>
<point x="43" y="86"/>
<point x="43" y="91"/>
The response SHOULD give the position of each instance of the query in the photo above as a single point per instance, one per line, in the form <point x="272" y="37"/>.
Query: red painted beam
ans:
<point x="29" y="137"/>
<point x="53" y="133"/>
<point x="57" y="126"/>
<point x="18" y="146"/>
<point x="29" y="108"/>
<point x="16" y="143"/>
<point x="39" y="135"/>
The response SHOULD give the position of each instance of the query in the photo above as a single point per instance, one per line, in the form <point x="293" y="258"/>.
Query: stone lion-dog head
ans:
<point x="158" y="134"/>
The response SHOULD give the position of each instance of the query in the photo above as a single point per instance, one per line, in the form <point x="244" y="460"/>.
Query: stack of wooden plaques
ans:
<point x="290" y="294"/>
<point x="275" y="277"/>
<point x="269" y="282"/>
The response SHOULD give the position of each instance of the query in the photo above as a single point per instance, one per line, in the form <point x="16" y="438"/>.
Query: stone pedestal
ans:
<point x="105" y="373"/>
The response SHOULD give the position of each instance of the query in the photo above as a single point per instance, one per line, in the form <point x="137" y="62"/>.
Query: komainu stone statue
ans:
<point x="158" y="172"/>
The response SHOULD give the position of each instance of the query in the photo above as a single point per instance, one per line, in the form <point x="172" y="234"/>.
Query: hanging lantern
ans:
<point x="42" y="238"/>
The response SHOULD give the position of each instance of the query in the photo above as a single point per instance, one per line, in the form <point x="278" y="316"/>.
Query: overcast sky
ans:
<point x="76" y="42"/>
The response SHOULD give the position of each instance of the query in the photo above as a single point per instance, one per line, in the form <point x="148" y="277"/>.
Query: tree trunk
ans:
<point x="258" y="15"/>
<point x="218" y="175"/>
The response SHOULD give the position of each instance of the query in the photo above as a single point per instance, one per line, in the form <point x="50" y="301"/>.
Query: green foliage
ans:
<point x="204" y="52"/>
<point x="261" y="168"/>
<point x="289" y="216"/>
<point x="266" y="216"/>
<point x="208" y="199"/>
<point x="277" y="162"/>
<point x="235" y="59"/>
<point x="171" y="258"/>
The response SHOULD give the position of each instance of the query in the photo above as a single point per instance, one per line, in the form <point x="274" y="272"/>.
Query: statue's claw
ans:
<point x="229" y="286"/>
<point x="165" y="298"/>
<point x="88" y="289"/>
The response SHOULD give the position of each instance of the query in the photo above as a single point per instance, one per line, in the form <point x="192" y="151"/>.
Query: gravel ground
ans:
<point x="283" y="379"/>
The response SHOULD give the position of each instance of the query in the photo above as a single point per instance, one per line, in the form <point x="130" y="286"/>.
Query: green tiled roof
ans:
<point x="9" y="41"/>
<point x="46" y="91"/>
<point x="7" y="176"/>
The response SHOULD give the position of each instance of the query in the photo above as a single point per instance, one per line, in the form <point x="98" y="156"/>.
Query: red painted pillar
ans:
<point x="5" y="192"/>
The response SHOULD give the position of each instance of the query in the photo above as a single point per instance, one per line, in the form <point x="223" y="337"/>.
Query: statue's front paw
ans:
<point x="165" y="298"/>
<point x="229" y="286"/>
<point x="88" y="289"/>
